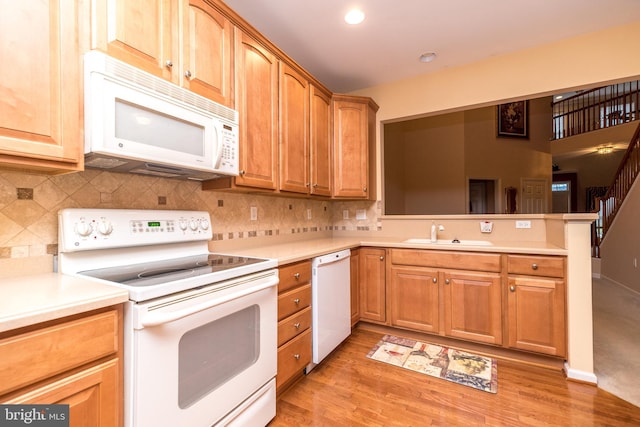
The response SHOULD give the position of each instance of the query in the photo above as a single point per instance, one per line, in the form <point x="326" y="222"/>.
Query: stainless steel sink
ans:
<point x="455" y="242"/>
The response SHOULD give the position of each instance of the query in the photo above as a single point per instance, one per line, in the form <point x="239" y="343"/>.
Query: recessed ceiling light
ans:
<point x="354" y="17"/>
<point x="427" y="57"/>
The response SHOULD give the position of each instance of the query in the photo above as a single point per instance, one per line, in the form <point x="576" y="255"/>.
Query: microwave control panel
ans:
<point x="228" y="161"/>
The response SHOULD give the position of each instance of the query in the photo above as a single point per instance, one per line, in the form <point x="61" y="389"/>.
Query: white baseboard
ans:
<point x="574" y="374"/>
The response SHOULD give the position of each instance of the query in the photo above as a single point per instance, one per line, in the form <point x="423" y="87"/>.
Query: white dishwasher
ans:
<point x="330" y="303"/>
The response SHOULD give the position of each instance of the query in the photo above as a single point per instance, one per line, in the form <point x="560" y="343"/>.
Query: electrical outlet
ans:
<point x="345" y="214"/>
<point x="361" y="214"/>
<point x="523" y="224"/>
<point x="309" y="214"/>
<point x="254" y="213"/>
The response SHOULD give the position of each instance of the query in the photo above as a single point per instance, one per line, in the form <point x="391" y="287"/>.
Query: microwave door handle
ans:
<point x="159" y="318"/>
<point x="219" y="145"/>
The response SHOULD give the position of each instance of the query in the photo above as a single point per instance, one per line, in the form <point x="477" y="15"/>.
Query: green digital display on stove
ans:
<point x="153" y="224"/>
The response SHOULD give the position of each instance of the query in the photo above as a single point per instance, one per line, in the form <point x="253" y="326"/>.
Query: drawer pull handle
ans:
<point x="296" y="301"/>
<point x="435" y="280"/>
<point x="296" y="356"/>
<point x="297" y="276"/>
<point x="534" y="266"/>
<point x="296" y="325"/>
<point x="512" y="288"/>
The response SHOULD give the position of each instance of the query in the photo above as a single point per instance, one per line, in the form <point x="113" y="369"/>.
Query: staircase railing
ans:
<point x="610" y="203"/>
<point x="595" y="109"/>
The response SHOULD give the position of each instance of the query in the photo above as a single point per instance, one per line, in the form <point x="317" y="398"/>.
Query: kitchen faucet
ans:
<point x="434" y="231"/>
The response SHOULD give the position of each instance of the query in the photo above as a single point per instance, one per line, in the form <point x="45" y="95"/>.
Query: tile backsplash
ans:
<point x="29" y="205"/>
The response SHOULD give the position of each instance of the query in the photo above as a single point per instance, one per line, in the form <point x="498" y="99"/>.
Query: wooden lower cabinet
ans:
<point x="354" y="269"/>
<point x="74" y="361"/>
<point x="536" y="295"/>
<point x="294" y="323"/>
<point x="414" y="298"/>
<point x="473" y="306"/>
<point x="372" y="284"/>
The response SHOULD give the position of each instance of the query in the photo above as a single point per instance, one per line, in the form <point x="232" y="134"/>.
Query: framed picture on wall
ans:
<point x="513" y="119"/>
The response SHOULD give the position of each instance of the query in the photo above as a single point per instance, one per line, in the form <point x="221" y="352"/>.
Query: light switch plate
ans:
<point x="254" y="213"/>
<point x="523" y="224"/>
<point x="361" y="214"/>
<point x="345" y="214"/>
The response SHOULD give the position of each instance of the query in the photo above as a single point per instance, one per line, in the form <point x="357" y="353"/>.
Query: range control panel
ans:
<point x="92" y="229"/>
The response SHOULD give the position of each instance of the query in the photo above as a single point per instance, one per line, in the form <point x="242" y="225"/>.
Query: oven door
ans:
<point x="193" y="357"/>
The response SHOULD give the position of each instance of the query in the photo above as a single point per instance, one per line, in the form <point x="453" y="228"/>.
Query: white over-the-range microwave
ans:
<point x="139" y="123"/>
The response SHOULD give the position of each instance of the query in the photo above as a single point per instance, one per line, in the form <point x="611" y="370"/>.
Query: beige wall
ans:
<point x="427" y="161"/>
<point x="584" y="61"/>
<point x="621" y="246"/>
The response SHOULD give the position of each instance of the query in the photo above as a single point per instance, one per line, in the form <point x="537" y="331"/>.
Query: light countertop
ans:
<point x="28" y="300"/>
<point x="290" y="252"/>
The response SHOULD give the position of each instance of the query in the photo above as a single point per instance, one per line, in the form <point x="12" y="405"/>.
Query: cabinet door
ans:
<point x="206" y="59"/>
<point x="140" y="33"/>
<point x="536" y="315"/>
<point x="372" y="284"/>
<point x="414" y="298"/>
<point x="294" y="131"/>
<point x="351" y="152"/>
<point x="93" y="396"/>
<point x="354" y="269"/>
<point x="320" y="142"/>
<point x="257" y="104"/>
<point x="472" y="306"/>
<point x="40" y="98"/>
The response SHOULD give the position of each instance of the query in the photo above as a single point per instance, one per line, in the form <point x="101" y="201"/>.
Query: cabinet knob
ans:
<point x="364" y="189"/>
<point x="187" y="74"/>
<point x="169" y="64"/>
<point x="297" y="276"/>
<point x="381" y="258"/>
<point x="446" y="281"/>
<point x="512" y="288"/>
<point x="296" y="356"/>
<point x="435" y="280"/>
<point x="534" y="266"/>
<point x="315" y="185"/>
<point x="296" y="301"/>
<point x="296" y="325"/>
<point x="241" y="172"/>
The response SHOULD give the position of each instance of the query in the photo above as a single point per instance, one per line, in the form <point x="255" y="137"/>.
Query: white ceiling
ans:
<point x="387" y="45"/>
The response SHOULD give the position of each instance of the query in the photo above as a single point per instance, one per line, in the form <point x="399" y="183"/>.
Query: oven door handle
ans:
<point x="159" y="318"/>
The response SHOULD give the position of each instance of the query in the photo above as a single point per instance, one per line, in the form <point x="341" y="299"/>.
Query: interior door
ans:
<point x="534" y="196"/>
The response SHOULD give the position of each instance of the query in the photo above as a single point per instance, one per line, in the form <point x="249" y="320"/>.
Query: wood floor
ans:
<point x="348" y="389"/>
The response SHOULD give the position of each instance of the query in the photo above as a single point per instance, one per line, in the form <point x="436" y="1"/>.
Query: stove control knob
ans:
<point x="194" y="224"/>
<point x="182" y="223"/>
<point x="204" y="224"/>
<point x="105" y="227"/>
<point x="83" y="229"/>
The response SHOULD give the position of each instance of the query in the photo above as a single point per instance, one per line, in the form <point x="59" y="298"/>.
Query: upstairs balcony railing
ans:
<point x="609" y="205"/>
<point x="596" y="109"/>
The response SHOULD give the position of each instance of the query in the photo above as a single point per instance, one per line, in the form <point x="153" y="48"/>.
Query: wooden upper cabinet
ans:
<point x="320" y="142"/>
<point x="257" y="98"/>
<point x="143" y="33"/>
<point x="354" y="147"/>
<point x="195" y="53"/>
<point x="294" y="130"/>
<point x="40" y="89"/>
<point x="207" y="40"/>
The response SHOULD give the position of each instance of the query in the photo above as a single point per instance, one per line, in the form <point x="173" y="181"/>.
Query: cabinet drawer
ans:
<point x="39" y="354"/>
<point x="294" y="325"/>
<point x="293" y="275"/>
<point x="536" y="265"/>
<point x="293" y="357"/>
<point x="446" y="259"/>
<point x="293" y="301"/>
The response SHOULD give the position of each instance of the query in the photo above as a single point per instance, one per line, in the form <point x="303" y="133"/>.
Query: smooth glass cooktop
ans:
<point x="158" y="272"/>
